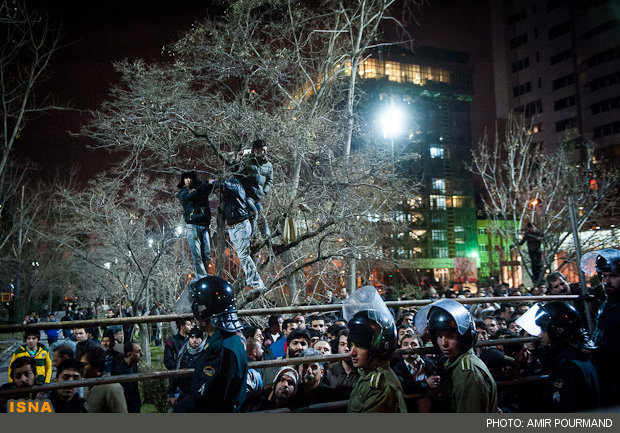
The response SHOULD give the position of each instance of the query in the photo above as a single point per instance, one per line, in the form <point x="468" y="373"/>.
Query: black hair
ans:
<point x="335" y="329"/>
<point x="128" y="347"/>
<point x="257" y="144"/>
<point x="504" y="305"/>
<point x="21" y="362"/>
<point x="72" y="364"/>
<point x="298" y="333"/>
<point x="249" y="331"/>
<point x="285" y="323"/>
<point x="64" y="350"/>
<point x="273" y="319"/>
<point x="554" y="276"/>
<point x="108" y="333"/>
<point x="480" y="324"/>
<point x="96" y="358"/>
<point x="181" y="323"/>
<point x="313" y="333"/>
<point x="316" y="317"/>
<point x="30" y="332"/>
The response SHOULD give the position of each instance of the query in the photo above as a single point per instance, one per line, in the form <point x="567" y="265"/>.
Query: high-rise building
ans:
<point x="559" y="60"/>
<point x="434" y="88"/>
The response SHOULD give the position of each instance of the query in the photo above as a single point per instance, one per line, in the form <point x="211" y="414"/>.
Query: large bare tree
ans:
<point x="525" y="182"/>
<point x="280" y="71"/>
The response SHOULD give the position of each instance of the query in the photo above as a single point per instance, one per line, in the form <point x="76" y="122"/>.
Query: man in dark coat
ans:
<point x="133" y="354"/>
<point x="219" y="380"/>
<point x="67" y="400"/>
<point x="572" y="385"/>
<point x="194" y="197"/>
<point x="256" y="173"/>
<point x="607" y="332"/>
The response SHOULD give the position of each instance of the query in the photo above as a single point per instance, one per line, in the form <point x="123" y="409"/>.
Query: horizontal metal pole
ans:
<point x="269" y="311"/>
<point x="252" y="364"/>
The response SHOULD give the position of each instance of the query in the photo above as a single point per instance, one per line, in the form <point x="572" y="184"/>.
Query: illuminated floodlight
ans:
<point x="179" y="230"/>
<point x="392" y="121"/>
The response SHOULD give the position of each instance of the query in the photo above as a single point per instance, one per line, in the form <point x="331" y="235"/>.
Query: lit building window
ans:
<point x="438" y="201"/>
<point x="440" y="252"/>
<point x="438" y="217"/>
<point x="461" y="201"/>
<point x="439" y="235"/>
<point x="439" y="185"/>
<point x="437" y="151"/>
<point x="459" y="234"/>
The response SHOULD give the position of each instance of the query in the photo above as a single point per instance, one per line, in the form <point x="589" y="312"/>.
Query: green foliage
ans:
<point x="155" y="392"/>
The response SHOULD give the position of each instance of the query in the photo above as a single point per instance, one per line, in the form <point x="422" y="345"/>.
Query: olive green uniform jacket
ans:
<point x="471" y="386"/>
<point x="378" y="390"/>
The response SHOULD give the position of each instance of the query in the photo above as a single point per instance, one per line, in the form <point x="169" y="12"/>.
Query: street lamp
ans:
<point x="392" y="122"/>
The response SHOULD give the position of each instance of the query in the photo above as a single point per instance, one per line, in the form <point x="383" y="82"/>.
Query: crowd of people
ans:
<point x="453" y="375"/>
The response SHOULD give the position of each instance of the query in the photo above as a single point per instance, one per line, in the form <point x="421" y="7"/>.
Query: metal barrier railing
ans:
<point x="270" y="311"/>
<point x="342" y="404"/>
<point x="254" y="364"/>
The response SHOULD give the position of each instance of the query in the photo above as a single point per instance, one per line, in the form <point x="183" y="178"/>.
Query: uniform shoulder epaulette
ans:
<point x="465" y="363"/>
<point x="376" y="380"/>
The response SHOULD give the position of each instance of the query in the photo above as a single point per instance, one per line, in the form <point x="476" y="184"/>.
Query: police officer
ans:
<point x="218" y="383"/>
<point x="465" y="379"/>
<point x="372" y="342"/>
<point x="572" y="385"/>
<point x="607" y="331"/>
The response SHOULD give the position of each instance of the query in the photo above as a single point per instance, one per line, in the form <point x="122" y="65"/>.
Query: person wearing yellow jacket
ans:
<point x="39" y="352"/>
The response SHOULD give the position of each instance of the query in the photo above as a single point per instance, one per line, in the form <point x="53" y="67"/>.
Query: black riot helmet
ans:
<point x="213" y="299"/>
<point x="380" y="340"/>
<point x="452" y="317"/>
<point x="607" y="263"/>
<point x="562" y="323"/>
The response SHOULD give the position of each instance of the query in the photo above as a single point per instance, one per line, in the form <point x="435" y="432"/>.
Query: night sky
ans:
<point x="96" y="33"/>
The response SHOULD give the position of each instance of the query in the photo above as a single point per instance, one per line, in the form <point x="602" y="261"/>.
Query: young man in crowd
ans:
<point x="129" y="365"/>
<point x="188" y="355"/>
<point x="417" y="374"/>
<point x="318" y="324"/>
<point x="254" y="351"/>
<point x="83" y="342"/>
<point x="106" y="398"/>
<point x="343" y="376"/>
<point x="278" y="394"/>
<point x="67" y="400"/>
<point x="278" y="348"/>
<point x="35" y="350"/>
<point x="22" y="376"/>
<point x="372" y="345"/>
<point x="466" y="381"/>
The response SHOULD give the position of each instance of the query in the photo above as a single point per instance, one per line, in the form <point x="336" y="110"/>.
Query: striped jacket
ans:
<point x="42" y="360"/>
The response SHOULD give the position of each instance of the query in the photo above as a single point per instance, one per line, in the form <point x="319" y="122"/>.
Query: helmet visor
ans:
<point x="367" y="299"/>
<point x="454" y="308"/>
<point x="528" y="320"/>
<point x="183" y="305"/>
<point x="588" y="260"/>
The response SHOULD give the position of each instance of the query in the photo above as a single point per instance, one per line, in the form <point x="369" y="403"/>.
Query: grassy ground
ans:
<point x="157" y="364"/>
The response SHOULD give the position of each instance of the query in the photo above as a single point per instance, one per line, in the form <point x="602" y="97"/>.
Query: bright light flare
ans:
<point x="392" y="121"/>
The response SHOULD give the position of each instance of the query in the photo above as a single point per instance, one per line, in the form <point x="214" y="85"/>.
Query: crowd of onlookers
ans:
<point x="78" y="352"/>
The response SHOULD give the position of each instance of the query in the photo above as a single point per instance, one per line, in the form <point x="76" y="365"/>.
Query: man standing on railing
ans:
<point x="218" y="383"/>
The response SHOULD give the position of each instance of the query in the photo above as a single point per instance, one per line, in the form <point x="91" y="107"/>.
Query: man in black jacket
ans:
<point x="417" y="374"/>
<point x="234" y="203"/>
<point x="194" y="197"/>
<point x="133" y="354"/>
<point x="67" y="400"/>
